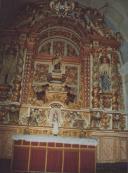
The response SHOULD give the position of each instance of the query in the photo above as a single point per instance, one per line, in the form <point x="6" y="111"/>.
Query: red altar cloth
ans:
<point x="53" y="157"/>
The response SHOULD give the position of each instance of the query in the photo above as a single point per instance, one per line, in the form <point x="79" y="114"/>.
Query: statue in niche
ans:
<point x="13" y="114"/>
<point x="105" y="120"/>
<point x="55" y="124"/>
<point x="56" y="75"/>
<point x="3" y="115"/>
<point x="8" y="67"/>
<point x="116" y="121"/>
<point x="9" y="114"/>
<point x="40" y="92"/>
<point x="16" y="90"/>
<point x="70" y="95"/>
<point x="104" y="69"/>
<point x="32" y="119"/>
<point x="56" y="62"/>
<point x="72" y="75"/>
<point x="55" y="119"/>
<point x="95" y="119"/>
<point x="122" y="121"/>
<point x="37" y="117"/>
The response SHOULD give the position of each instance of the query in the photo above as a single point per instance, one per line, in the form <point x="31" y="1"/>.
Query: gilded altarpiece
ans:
<point x="60" y="74"/>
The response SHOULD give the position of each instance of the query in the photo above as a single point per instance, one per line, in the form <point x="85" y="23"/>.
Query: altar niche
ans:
<point x="54" y="80"/>
<point x="55" y="118"/>
<point x="57" y="62"/>
<point x="8" y="65"/>
<point x="57" y="71"/>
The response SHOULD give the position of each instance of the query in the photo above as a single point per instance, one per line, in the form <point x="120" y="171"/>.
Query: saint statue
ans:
<point x="56" y="62"/>
<point x="55" y="129"/>
<point x="105" y="71"/>
<point x="55" y="119"/>
<point x="8" y="68"/>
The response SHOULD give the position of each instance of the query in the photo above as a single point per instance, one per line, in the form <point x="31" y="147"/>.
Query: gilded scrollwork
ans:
<point x="9" y="114"/>
<point x="105" y="120"/>
<point x="61" y="76"/>
<point x="116" y="121"/>
<point x="95" y="119"/>
<point x="74" y="64"/>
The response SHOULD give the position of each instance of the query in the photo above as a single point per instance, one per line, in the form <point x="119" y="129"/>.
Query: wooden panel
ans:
<point x="71" y="161"/>
<point x="54" y="160"/>
<point x="53" y="157"/>
<point x="20" y="158"/>
<point x="87" y="161"/>
<point x="37" y="159"/>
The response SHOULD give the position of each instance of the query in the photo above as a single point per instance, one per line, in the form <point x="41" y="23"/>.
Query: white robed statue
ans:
<point x="55" y="120"/>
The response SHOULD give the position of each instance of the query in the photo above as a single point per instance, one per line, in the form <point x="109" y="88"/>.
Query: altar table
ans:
<point x="57" y="154"/>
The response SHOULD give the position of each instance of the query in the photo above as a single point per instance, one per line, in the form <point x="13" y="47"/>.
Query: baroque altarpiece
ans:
<point x="60" y="68"/>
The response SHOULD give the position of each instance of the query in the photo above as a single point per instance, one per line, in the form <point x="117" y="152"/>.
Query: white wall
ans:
<point x="124" y="73"/>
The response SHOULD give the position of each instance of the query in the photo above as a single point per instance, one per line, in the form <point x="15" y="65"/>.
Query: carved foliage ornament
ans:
<point x="62" y="7"/>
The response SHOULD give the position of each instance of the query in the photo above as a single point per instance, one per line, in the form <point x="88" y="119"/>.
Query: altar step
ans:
<point x="5" y="165"/>
<point x="112" y="167"/>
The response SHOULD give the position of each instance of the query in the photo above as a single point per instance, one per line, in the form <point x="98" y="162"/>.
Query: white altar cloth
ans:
<point x="57" y="139"/>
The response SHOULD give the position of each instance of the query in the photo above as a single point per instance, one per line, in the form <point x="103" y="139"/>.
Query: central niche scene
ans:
<point x="54" y="77"/>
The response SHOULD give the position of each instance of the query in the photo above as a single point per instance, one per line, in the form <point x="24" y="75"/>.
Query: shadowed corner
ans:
<point x="5" y="165"/>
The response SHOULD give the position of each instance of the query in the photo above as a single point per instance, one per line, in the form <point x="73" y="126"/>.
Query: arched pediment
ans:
<point x="87" y="22"/>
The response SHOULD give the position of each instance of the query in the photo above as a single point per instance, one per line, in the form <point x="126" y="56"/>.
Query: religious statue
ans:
<point x="40" y="92"/>
<point x="55" y="125"/>
<point x="55" y="118"/>
<point x="71" y="96"/>
<point x="56" y="62"/>
<point x="16" y="90"/>
<point x="32" y="119"/>
<point x="105" y="73"/>
<point x="96" y="97"/>
<point x="95" y="119"/>
<point x="116" y="121"/>
<point x="8" y="66"/>
<point x="105" y="120"/>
